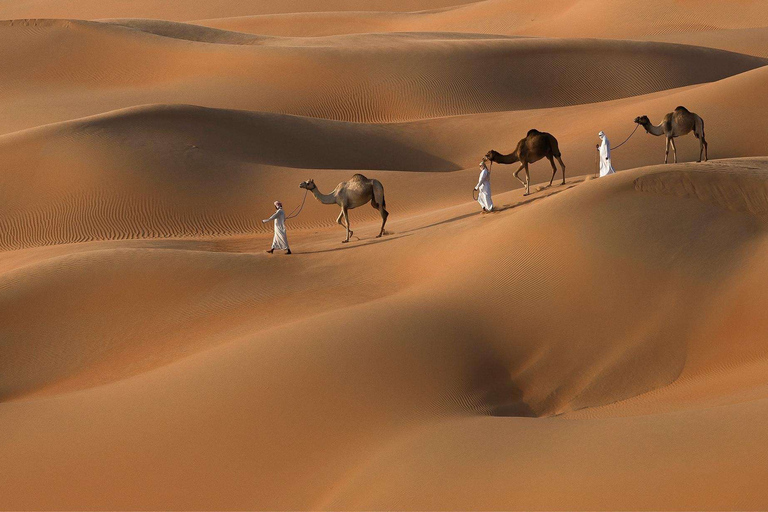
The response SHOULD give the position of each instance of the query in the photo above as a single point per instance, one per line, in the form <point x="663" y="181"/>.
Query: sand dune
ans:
<point x="562" y="18"/>
<point x="623" y="19"/>
<point x="750" y="41"/>
<point x="180" y="171"/>
<point x="372" y="78"/>
<point x="184" y="10"/>
<point x="477" y="370"/>
<point x="596" y="345"/>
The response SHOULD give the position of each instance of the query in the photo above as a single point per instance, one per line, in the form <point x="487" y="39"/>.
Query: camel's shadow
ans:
<point x="389" y="235"/>
<point x="365" y="243"/>
<point x="531" y="200"/>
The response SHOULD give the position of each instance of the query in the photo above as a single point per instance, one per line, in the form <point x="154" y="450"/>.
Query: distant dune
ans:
<point x="376" y="78"/>
<point x="598" y="345"/>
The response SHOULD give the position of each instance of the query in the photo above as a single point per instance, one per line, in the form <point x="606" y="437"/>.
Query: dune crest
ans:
<point x="595" y="345"/>
<point x="365" y="78"/>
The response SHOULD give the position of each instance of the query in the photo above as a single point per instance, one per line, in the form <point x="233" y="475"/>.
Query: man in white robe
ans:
<point x="484" y="188"/>
<point x="280" y="240"/>
<point x="605" y="155"/>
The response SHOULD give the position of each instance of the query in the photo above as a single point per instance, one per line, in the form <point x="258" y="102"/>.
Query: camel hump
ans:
<point x="532" y="132"/>
<point x="359" y="177"/>
<point x="682" y="109"/>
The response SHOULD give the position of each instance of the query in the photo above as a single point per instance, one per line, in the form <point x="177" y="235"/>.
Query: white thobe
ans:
<point x="605" y="157"/>
<point x="484" y="189"/>
<point x="280" y="240"/>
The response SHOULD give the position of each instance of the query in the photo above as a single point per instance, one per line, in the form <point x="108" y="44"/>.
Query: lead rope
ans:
<point x="627" y="139"/>
<point x="597" y="161"/>
<point x="300" y="207"/>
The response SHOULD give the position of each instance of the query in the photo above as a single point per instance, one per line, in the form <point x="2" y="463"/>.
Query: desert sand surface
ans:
<point x="597" y="345"/>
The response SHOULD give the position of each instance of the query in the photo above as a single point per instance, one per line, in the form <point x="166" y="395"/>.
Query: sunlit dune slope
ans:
<point x="599" y="344"/>
<point x="622" y="19"/>
<point x="750" y="41"/>
<point x="372" y="78"/>
<point x="169" y="171"/>
<point x="403" y="409"/>
<point x="182" y="10"/>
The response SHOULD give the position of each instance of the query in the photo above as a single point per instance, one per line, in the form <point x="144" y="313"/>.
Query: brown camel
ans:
<point x="535" y="146"/>
<point x="351" y="194"/>
<point x="676" y="124"/>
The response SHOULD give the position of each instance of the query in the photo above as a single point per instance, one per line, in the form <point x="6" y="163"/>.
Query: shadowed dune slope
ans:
<point x="180" y="171"/>
<point x="373" y="78"/>
<point x="750" y="41"/>
<point x="560" y="18"/>
<point x="600" y="344"/>
<point x="624" y="19"/>
<point x="184" y="10"/>
<point x="339" y="423"/>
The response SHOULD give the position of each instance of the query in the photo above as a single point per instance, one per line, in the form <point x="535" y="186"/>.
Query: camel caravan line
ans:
<point x="536" y="145"/>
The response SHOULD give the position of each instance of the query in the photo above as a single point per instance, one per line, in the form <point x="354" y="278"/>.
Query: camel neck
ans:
<point x="507" y="159"/>
<point x="654" y="129"/>
<point x="324" y="198"/>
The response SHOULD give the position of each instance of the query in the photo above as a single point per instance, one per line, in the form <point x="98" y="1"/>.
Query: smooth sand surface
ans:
<point x="597" y="345"/>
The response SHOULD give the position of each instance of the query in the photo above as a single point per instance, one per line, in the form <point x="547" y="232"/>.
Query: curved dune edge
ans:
<point x="597" y="345"/>
<point x="366" y="78"/>
<point x="184" y="171"/>
<point x="620" y="19"/>
<point x="742" y="193"/>
<point x="561" y="18"/>
<point x="181" y="10"/>
<point x="424" y="381"/>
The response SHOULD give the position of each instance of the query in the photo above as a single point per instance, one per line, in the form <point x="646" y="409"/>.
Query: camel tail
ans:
<point x="555" y="147"/>
<point x="700" y="126"/>
<point x="378" y="195"/>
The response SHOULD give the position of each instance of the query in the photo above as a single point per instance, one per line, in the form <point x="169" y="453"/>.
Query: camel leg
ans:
<point x="562" y="167"/>
<point x="702" y="148"/>
<point x="384" y="215"/>
<point x="674" y="149"/>
<point x="554" y="169"/>
<point x="345" y="212"/>
<point x="527" y="181"/>
<point x="378" y="202"/>
<point x="666" y="153"/>
<point x="522" y="166"/>
<point x="343" y="222"/>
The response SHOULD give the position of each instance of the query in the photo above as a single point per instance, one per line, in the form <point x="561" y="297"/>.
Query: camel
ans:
<point x="535" y="146"/>
<point x="676" y="124"/>
<point x="351" y="194"/>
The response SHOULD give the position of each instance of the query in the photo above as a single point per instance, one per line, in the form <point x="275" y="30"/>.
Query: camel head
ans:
<point x="643" y="120"/>
<point x="309" y="184"/>
<point x="491" y="155"/>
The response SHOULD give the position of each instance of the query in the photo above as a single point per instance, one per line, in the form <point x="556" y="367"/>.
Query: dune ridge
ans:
<point x="375" y="78"/>
<point x="467" y="378"/>
<point x="596" y="345"/>
<point x="214" y="170"/>
<point x="562" y="19"/>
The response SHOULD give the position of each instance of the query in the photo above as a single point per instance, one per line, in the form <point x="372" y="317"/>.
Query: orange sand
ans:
<point x="598" y="345"/>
